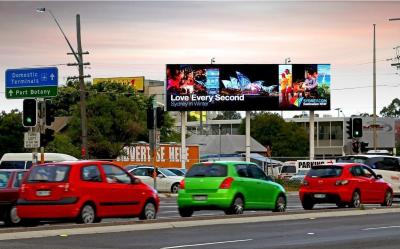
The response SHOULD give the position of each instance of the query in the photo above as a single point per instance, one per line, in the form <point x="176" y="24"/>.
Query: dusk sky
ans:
<point x="139" y="38"/>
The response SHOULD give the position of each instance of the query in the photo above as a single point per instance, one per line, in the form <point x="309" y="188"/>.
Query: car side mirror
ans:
<point x="136" y="180"/>
<point x="379" y="176"/>
<point x="269" y="178"/>
<point x="161" y="176"/>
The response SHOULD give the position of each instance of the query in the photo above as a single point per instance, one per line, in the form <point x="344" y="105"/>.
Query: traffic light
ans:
<point x="29" y="114"/>
<point x="357" y="127"/>
<point x="364" y="147"/>
<point x="160" y="117"/>
<point x="355" y="146"/>
<point x="150" y="118"/>
<point x="50" y="110"/>
<point x="349" y="128"/>
<point x="47" y="137"/>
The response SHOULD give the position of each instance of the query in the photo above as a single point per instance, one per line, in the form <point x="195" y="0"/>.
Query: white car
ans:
<point x="166" y="180"/>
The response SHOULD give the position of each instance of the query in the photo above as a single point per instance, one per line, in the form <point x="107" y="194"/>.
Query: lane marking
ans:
<point x="206" y="244"/>
<point x="378" y="228"/>
<point x="310" y="233"/>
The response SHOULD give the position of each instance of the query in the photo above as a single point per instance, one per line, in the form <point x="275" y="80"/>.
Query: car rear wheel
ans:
<point x="175" y="188"/>
<point x="356" y="200"/>
<point x="87" y="215"/>
<point x="280" y="204"/>
<point x="388" y="201"/>
<point x="11" y="217"/>
<point x="149" y="212"/>
<point x="307" y="204"/>
<point x="185" y="212"/>
<point x="237" y="206"/>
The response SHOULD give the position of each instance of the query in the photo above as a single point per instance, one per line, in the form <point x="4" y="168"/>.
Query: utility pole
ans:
<point x="82" y="88"/>
<point x="374" y="93"/>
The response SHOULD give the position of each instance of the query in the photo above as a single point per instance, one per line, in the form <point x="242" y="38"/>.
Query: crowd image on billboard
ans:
<point x="248" y="87"/>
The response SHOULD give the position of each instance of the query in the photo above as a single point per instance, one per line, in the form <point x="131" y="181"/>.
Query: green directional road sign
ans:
<point x="31" y="83"/>
<point x="31" y="92"/>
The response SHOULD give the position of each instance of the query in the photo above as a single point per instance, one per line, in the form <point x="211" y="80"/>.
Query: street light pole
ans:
<point x="80" y="64"/>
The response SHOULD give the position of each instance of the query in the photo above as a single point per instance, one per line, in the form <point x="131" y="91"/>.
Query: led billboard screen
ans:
<point x="244" y="87"/>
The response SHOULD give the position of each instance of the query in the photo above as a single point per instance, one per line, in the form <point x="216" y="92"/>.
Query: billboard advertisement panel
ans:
<point x="241" y="87"/>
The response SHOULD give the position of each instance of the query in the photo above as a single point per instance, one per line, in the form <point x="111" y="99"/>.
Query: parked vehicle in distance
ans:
<point x="177" y="171"/>
<point x="387" y="166"/>
<point x="86" y="191"/>
<point x="287" y="170"/>
<point x="10" y="181"/>
<point x="229" y="186"/>
<point x="347" y="184"/>
<point x="24" y="160"/>
<point x="166" y="180"/>
<point x="299" y="176"/>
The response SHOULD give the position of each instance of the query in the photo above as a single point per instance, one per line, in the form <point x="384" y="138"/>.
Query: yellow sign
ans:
<point x="135" y="82"/>
<point x="196" y="114"/>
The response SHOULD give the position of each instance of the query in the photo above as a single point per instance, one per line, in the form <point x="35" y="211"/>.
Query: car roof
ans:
<point x="80" y="162"/>
<point x="13" y="170"/>
<point x="366" y="156"/>
<point x="338" y="164"/>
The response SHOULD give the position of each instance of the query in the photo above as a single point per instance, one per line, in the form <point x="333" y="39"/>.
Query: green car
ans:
<point x="229" y="186"/>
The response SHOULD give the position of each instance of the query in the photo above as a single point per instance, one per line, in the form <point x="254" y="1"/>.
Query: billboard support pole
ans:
<point x="312" y="135"/>
<point x="183" y="139"/>
<point x="247" y="136"/>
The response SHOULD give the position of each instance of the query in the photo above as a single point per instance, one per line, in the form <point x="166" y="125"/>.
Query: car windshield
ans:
<point x="166" y="172"/>
<point x="4" y="179"/>
<point x="352" y="159"/>
<point x="325" y="171"/>
<point x="12" y="165"/>
<point x="177" y="172"/>
<point x="207" y="170"/>
<point x="49" y="173"/>
<point x="302" y="172"/>
<point x="288" y="169"/>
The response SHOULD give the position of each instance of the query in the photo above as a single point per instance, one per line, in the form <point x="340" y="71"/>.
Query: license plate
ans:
<point x="43" y="192"/>
<point x="320" y="195"/>
<point x="200" y="197"/>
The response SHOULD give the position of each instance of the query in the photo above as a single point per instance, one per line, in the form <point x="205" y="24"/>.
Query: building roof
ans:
<point x="210" y="144"/>
<point x="60" y="123"/>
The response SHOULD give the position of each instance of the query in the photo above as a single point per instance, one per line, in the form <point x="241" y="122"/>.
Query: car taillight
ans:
<point x="304" y="182"/>
<point x="182" y="184"/>
<point x="341" y="182"/>
<point x="226" y="183"/>
<point x="23" y="188"/>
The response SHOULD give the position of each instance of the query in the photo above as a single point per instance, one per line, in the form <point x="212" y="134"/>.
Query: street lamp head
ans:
<point x="41" y="10"/>
<point x="394" y="19"/>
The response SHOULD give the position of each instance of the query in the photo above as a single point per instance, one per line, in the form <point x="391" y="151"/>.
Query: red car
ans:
<point x="86" y="191"/>
<point x="344" y="184"/>
<point x="10" y="181"/>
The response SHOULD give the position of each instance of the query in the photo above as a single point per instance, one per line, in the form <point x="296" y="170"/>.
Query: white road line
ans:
<point x="206" y="244"/>
<point x="377" y="228"/>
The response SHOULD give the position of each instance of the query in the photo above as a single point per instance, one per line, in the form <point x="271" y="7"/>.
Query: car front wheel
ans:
<point x="280" y="204"/>
<point x="149" y="212"/>
<point x="388" y="201"/>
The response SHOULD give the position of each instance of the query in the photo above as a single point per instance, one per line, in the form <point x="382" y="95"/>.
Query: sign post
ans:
<point x="31" y="83"/>
<point x="31" y="140"/>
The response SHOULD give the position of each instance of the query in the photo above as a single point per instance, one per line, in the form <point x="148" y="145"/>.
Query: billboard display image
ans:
<point x="304" y="87"/>
<point x="246" y="87"/>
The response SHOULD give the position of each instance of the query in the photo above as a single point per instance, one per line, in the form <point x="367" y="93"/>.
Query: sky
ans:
<point x="140" y="38"/>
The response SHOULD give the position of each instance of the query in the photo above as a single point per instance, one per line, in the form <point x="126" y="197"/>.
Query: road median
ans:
<point x="59" y="230"/>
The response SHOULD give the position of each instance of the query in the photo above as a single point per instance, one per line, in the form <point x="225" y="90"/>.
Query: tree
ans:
<point x="392" y="110"/>
<point x="11" y="132"/>
<point x="287" y="139"/>
<point x="228" y="115"/>
<point x="63" y="144"/>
